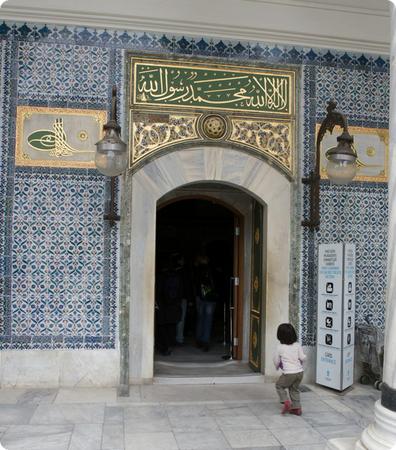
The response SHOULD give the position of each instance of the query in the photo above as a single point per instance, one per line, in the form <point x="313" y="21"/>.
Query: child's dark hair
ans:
<point x="286" y="334"/>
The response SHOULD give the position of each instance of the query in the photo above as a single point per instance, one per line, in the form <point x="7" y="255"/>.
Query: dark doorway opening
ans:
<point x="195" y="241"/>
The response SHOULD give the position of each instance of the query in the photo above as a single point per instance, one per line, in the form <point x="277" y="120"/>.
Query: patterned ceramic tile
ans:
<point x="59" y="250"/>
<point x="58" y="258"/>
<point x="355" y="213"/>
<point x="5" y="206"/>
<point x="191" y="45"/>
<point x="358" y="215"/>
<point x="63" y="71"/>
<point x="360" y="94"/>
<point x="56" y="296"/>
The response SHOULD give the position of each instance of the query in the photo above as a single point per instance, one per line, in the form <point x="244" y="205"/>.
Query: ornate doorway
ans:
<point x="153" y="181"/>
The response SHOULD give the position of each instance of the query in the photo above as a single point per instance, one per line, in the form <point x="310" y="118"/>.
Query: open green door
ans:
<point x="257" y="288"/>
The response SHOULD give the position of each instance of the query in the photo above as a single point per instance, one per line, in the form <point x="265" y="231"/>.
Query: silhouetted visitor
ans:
<point x="206" y="296"/>
<point x="169" y="295"/>
<point x="186" y="298"/>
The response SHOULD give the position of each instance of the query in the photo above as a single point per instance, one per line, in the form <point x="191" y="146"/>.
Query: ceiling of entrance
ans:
<point x="361" y="25"/>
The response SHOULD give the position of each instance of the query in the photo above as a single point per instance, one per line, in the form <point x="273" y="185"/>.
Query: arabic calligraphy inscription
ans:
<point x="57" y="137"/>
<point x="251" y="106"/>
<point x="212" y="87"/>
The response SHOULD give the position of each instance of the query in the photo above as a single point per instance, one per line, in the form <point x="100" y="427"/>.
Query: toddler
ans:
<point x="289" y="357"/>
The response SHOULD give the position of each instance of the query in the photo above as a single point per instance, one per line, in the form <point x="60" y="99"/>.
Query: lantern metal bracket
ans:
<point x="112" y="215"/>
<point x="332" y="119"/>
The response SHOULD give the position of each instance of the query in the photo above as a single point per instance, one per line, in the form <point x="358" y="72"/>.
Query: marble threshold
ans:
<point x="245" y="379"/>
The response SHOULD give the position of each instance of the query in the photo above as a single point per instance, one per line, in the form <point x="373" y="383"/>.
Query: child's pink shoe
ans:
<point x="296" y="411"/>
<point x="286" y="406"/>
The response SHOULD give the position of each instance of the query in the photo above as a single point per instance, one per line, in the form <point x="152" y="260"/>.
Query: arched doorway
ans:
<point x="163" y="175"/>
<point x="193" y="223"/>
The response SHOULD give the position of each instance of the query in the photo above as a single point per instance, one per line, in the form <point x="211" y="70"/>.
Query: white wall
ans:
<point x="54" y="368"/>
<point x="362" y="25"/>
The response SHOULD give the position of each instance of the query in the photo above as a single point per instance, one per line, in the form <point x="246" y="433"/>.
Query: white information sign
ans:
<point x="349" y="316"/>
<point x="336" y="315"/>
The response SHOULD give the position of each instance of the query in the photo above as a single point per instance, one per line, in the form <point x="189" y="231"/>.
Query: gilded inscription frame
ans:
<point x="150" y="122"/>
<point x="247" y="71"/>
<point x="26" y="155"/>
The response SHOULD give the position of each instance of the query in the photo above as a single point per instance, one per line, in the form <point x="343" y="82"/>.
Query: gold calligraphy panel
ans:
<point x="199" y="85"/>
<point x="372" y="148"/>
<point x="273" y="138"/>
<point x="57" y="137"/>
<point x="174" y="102"/>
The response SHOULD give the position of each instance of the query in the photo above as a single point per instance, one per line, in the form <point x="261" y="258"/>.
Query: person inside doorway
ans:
<point x="186" y="298"/>
<point x="168" y="305"/>
<point x="206" y="297"/>
<point x="196" y="233"/>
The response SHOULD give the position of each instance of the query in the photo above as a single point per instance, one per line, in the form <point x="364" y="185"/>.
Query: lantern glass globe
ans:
<point x="111" y="157"/>
<point x="341" y="171"/>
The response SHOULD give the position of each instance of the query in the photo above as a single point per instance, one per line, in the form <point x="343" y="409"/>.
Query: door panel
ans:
<point x="256" y="288"/>
<point x="236" y="344"/>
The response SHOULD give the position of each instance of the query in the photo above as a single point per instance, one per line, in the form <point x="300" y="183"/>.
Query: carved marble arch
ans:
<point x="153" y="135"/>
<point x="165" y="174"/>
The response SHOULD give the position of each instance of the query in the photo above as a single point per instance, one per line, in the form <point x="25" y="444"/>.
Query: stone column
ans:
<point x="382" y="433"/>
<point x="125" y="282"/>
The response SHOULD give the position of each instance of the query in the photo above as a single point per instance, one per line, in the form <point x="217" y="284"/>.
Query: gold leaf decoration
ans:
<point x="270" y="138"/>
<point x="149" y="137"/>
<point x="254" y="340"/>
<point x="257" y="236"/>
<point x="256" y="284"/>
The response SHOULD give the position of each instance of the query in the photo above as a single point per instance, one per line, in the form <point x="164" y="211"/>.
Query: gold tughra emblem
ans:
<point x="55" y="141"/>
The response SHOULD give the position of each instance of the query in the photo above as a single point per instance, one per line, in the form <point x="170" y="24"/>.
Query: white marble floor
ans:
<point x="193" y="417"/>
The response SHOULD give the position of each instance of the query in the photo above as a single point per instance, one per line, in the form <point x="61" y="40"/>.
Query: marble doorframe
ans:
<point x="143" y="189"/>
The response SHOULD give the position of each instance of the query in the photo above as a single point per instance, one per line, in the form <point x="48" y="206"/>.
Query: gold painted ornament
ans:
<point x="257" y="236"/>
<point x="256" y="284"/>
<point x="214" y="126"/>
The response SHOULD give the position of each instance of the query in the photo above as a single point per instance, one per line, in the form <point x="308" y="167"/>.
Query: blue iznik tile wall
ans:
<point x="355" y="213"/>
<point x="58" y="256"/>
<point x="58" y="266"/>
<point x="58" y="285"/>
<point x="81" y="73"/>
